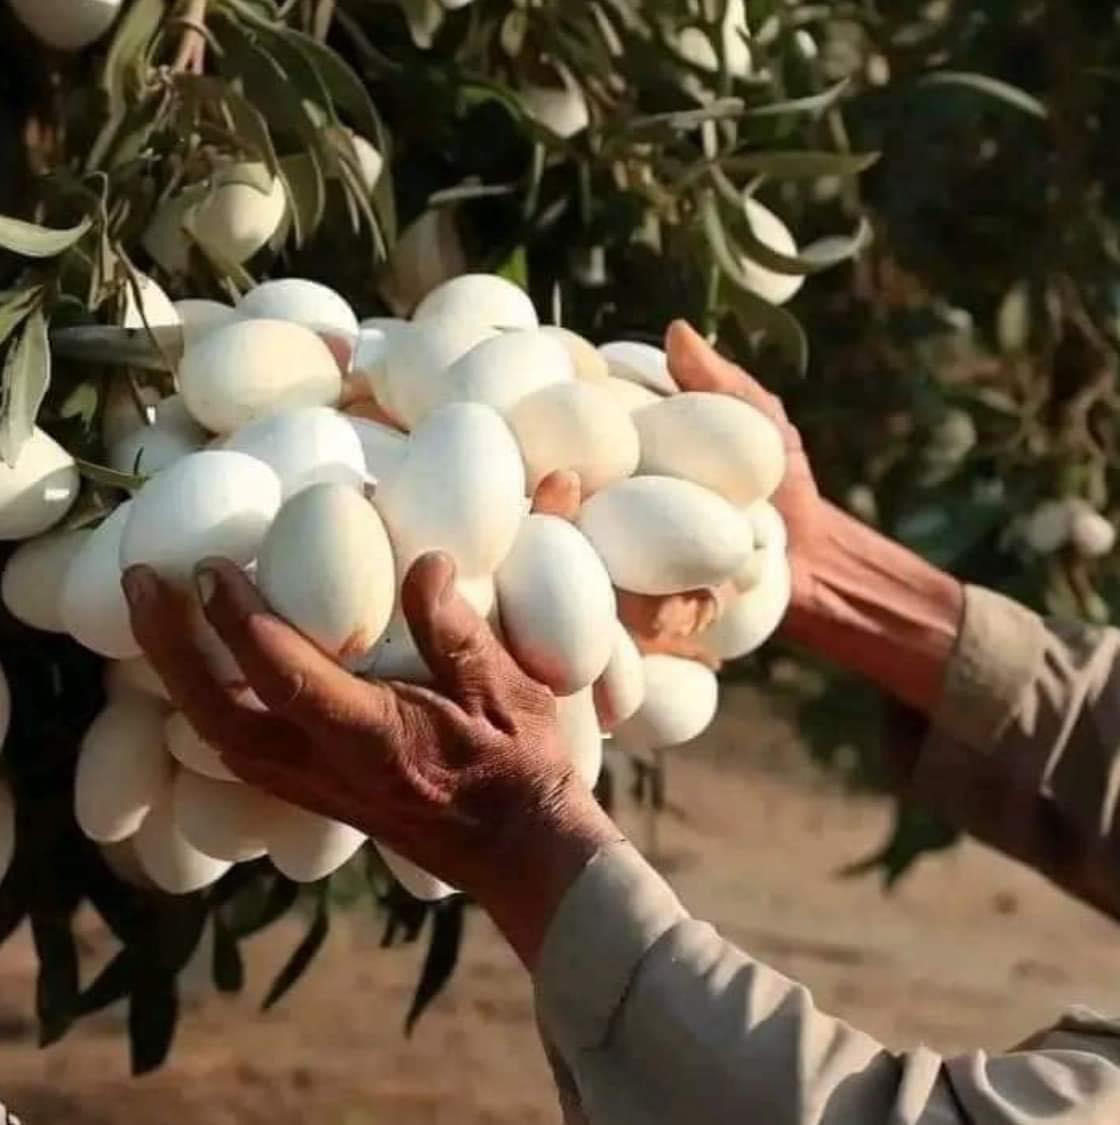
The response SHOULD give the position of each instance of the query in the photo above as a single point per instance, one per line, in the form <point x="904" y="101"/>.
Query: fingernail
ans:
<point x="138" y="585"/>
<point x="205" y="582"/>
<point x="448" y="591"/>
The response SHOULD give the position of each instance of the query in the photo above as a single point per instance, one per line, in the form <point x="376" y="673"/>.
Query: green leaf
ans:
<point x="800" y="165"/>
<point x="814" y="104"/>
<point x="110" y="478"/>
<point x="442" y="956"/>
<point x="16" y="306"/>
<point x="991" y="87"/>
<point x="56" y="986"/>
<point x="685" y="120"/>
<point x="817" y="256"/>
<point x="246" y="915"/>
<point x="153" y="1012"/>
<point x="228" y="968"/>
<point x="33" y="241"/>
<point x="23" y="384"/>
<point x="304" y="953"/>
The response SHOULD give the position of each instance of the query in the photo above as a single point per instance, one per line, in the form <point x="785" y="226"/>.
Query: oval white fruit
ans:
<point x="219" y="818"/>
<point x="67" y="25"/>
<point x="369" y="161"/>
<point x="1091" y="533"/>
<point x="194" y="754"/>
<point x="395" y="656"/>
<point x="556" y="605"/>
<point x="124" y="677"/>
<point x="326" y="566"/>
<point x="200" y="317"/>
<point x="7" y="828"/>
<point x="722" y="443"/>
<point x="630" y="396"/>
<point x="122" y="415"/>
<point x="250" y="368"/>
<point x="750" y="619"/>
<point x="301" y="301"/>
<point x="92" y="606"/>
<point x="484" y="299"/>
<point x="213" y="503"/>
<point x="428" y="252"/>
<point x="151" y="449"/>
<point x="371" y="352"/>
<point x="415" y="880"/>
<point x="575" y="425"/>
<point x="147" y="305"/>
<point x="643" y="364"/>
<point x="305" y="446"/>
<point x="1047" y="528"/>
<point x="123" y="768"/>
<point x="587" y="361"/>
<point x="234" y="215"/>
<point x="459" y="489"/>
<point x="661" y="535"/>
<point x="33" y="578"/>
<point x="580" y="735"/>
<point x="560" y="109"/>
<point x="620" y="689"/>
<point x="38" y="490"/>
<point x="383" y="448"/>
<point x="305" y="846"/>
<point x="165" y="237"/>
<point x="680" y="701"/>
<point x="777" y="288"/>
<point x="168" y="858"/>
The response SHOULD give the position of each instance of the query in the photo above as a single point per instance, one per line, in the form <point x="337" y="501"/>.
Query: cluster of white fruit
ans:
<point x="268" y="455"/>
<point x="1071" y="520"/>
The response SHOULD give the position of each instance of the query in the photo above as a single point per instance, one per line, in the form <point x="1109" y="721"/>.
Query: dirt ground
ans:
<point x="970" y="951"/>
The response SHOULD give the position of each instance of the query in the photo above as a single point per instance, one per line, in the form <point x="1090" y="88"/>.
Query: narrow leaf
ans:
<point x="23" y="385"/>
<point x="800" y="165"/>
<point x="33" y="241"/>
<point x="228" y="968"/>
<point x="304" y="953"/>
<point x="817" y="256"/>
<point x="113" y="983"/>
<point x="15" y="306"/>
<point x="443" y="954"/>
<point x="110" y="478"/>
<point x="814" y="104"/>
<point x="243" y="922"/>
<point x="992" y="87"/>
<point x="56" y="987"/>
<point x="153" y="1012"/>
<point x="686" y="119"/>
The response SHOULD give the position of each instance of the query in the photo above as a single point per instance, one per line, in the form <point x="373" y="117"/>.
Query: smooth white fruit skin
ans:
<point x="777" y="288"/>
<point x="769" y="533"/>
<point x="154" y="308"/>
<point x="556" y="605"/>
<point x="587" y="361"/>
<point x="560" y="109"/>
<point x="694" y="44"/>
<point x="428" y="252"/>
<point x="168" y="858"/>
<point x="125" y="677"/>
<point x="661" y="535"/>
<point x="1047" y="528"/>
<point x="326" y="567"/>
<point x="459" y="489"/>
<point x="305" y="846"/>
<point x="165" y="239"/>
<point x="395" y="656"/>
<point x="1091" y="533"/>
<point x="643" y="364"/>
<point x="383" y="448"/>
<point x="630" y="396"/>
<point x="579" y="426"/>
<point x="484" y="299"/>
<point x="580" y="735"/>
<point x="7" y="828"/>
<point x="680" y="701"/>
<point x="67" y="25"/>
<point x="222" y="820"/>
<point x="33" y="578"/>
<point x="151" y="449"/>
<point x="415" y="880"/>
<point x="250" y="368"/>
<point x="722" y="443"/>
<point x="200" y="317"/>
<point x="620" y="689"/>
<point x="749" y="620"/>
<point x="301" y="301"/>
<point x="194" y="754"/>
<point x="5" y="707"/>
<point x="369" y="161"/>
<point x="417" y="363"/>
<point x="213" y="503"/>
<point x="38" y="490"/>
<point x="307" y="446"/>
<point x="233" y="216"/>
<point x="501" y="371"/>
<point x="93" y="606"/>
<point x="371" y="352"/>
<point x="123" y="768"/>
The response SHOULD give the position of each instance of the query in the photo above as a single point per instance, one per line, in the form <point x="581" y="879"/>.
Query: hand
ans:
<point x="468" y="780"/>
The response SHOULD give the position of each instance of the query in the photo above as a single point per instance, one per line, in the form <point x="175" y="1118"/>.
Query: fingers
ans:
<point x="684" y="647"/>
<point x="558" y="495"/>
<point x="675" y="616"/>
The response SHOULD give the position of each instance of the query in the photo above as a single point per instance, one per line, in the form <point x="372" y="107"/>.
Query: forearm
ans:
<point x="876" y="609"/>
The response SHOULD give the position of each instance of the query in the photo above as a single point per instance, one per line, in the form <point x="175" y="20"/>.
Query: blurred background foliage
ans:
<point x="946" y="168"/>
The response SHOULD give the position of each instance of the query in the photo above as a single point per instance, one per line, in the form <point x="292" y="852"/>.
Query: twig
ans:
<point x="191" y="56"/>
<point x="321" y="24"/>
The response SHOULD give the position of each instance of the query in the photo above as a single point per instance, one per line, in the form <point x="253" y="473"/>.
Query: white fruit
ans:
<point x="415" y="879"/>
<point x="750" y="619"/>
<point x="189" y="749"/>
<point x="5" y="707"/>
<point x="303" y="302"/>
<point x="306" y="446"/>
<point x="153" y="309"/>
<point x="123" y="768"/>
<point x="371" y="352"/>
<point x="7" y="828"/>
<point x="660" y="535"/>
<point x="770" y="536"/>
<point x="639" y="363"/>
<point x="556" y="605"/>
<point x="165" y="238"/>
<point x="395" y="656"/>
<point x="723" y="443"/>
<point x="1047" y="528"/>
<point x="251" y="368"/>
<point x="484" y="299"/>
<point x="460" y="489"/>
<point x="587" y="360"/>
<point x="480" y="593"/>
<point x="416" y="364"/>
<point x="680" y="701"/>
<point x="575" y="425"/>
<point x="383" y="448"/>
<point x="695" y="45"/>
<point x="221" y="819"/>
<point x="560" y="109"/>
<point x="168" y="858"/>
<point x="305" y="846"/>
<point x="38" y="490"/>
<point x="213" y="503"/>
<point x="123" y="677"/>
<point x="1091" y="534"/>
<point x="234" y="215"/>
<point x="122" y="415"/>
<point x="579" y="734"/>
<point x="68" y="25"/>
<point x="151" y="449"/>
<point x="619" y="691"/>
<point x="369" y="161"/>
<point x="428" y="253"/>
<point x="33" y="578"/>
<point x="777" y="288"/>
<point x="326" y="566"/>
<point x="630" y="396"/>
<point x="92" y="606"/>
<point x="200" y="317"/>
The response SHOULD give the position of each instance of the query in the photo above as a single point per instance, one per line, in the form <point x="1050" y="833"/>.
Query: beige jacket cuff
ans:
<point x="609" y="919"/>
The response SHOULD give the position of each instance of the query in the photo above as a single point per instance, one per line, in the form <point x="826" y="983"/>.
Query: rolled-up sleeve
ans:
<point x="661" y="1022"/>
